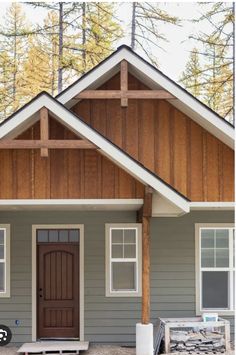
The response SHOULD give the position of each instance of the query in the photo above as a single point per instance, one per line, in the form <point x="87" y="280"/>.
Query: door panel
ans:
<point x="58" y="290"/>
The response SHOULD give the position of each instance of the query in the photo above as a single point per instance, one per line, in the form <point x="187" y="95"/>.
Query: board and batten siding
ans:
<point x="110" y="320"/>
<point x="165" y="141"/>
<point x="65" y="174"/>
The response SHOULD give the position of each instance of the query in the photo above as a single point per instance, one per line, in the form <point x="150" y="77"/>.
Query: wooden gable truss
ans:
<point x="45" y="143"/>
<point x="124" y="94"/>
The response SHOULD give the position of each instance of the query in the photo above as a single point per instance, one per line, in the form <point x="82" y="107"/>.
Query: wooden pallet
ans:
<point x="54" y="347"/>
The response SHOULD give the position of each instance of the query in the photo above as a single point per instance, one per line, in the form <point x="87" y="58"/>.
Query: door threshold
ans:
<point x="58" y="339"/>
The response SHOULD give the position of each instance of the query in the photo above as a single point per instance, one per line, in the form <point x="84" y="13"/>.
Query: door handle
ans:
<point x="40" y="292"/>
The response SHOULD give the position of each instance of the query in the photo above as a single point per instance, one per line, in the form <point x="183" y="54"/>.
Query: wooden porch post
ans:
<point x="146" y="270"/>
<point x="144" y="217"/>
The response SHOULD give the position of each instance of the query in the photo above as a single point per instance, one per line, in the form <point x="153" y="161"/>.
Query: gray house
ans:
<point x="116" y="208"/>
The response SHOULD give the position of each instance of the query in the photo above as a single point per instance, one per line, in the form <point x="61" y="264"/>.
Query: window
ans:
<point x="58" y="235"/>
<point x="4" y="260"/>
<point x="123" y="260"/>
<point x="215" y="267"/>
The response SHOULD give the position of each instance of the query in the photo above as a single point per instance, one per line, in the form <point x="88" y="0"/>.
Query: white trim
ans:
<point x="7" y="260"/>
<point x="196" y="206"/>
<point x="107" y="148"/>
<point x="72" y="204"/>
<point x="137" y="260"/>
<point x="199" y="113"/>
<point x="198" y="227"/>
<point x="34" y="273"/>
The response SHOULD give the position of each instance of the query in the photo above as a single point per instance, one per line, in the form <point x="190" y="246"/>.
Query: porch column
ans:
<point x="144" y="330"/>
<point x="146" y="270"/>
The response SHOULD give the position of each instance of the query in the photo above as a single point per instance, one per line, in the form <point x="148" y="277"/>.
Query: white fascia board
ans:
<point x="23" y="117"/>
<point x="115" y="154"/>
<point x="226" y="206"/>
<point x="217" y="126"/>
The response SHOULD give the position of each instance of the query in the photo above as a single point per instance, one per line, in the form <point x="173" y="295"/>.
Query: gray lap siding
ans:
<point x="110" y="320"/>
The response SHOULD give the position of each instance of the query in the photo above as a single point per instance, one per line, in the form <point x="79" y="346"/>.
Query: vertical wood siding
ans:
<point x="66" y="173"/>
<point x="166" y="141"/>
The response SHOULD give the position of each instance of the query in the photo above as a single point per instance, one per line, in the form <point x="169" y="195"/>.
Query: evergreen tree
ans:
<point x="191" y="78"/>
<point x="36" y="69"/>
<point x="218" y="55"/>
<point x="145" y="32"/>
<point x="13" y="41"/>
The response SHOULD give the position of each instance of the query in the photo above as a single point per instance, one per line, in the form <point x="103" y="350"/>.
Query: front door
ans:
<point x="58" y="283"/>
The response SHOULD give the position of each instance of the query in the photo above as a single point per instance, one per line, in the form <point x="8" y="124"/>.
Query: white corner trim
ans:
<point x="107" y="148"/>
<point x="206" y="118"/>
<point x="225" y="206"/>
<point x="34" y="273"/>
<point x="7" y="254"/>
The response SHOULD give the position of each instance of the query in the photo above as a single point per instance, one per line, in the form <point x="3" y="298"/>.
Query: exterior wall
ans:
<point x="65" y="174"/>
<point x="173" y="263"/>
<point x="165" y="141"/>
<point x="109" y="319"/>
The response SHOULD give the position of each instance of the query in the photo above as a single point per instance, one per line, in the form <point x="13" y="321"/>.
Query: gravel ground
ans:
<point x="93" y="350"/>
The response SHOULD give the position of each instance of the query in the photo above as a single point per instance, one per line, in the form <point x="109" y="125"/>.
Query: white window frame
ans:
<point x="6" y="260"/>
<point x="198" y="268"/>
<point x="108" y="260"/>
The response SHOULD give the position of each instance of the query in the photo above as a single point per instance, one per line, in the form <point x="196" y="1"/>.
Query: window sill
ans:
<point x="124" y="294"/>
<point x="5" y="294"/>
<point x="220" y="313"/>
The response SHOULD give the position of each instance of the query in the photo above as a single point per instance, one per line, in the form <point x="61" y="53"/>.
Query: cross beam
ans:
<point x="46" y="144"/>
<point x="130" y="94"/>
<point x="124" y="93"/>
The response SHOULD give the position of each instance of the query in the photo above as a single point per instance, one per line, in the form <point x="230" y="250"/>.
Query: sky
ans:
<point x="172" y="59"/>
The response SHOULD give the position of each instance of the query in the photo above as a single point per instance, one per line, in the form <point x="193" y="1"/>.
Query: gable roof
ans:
<point x="155" y="79"/>
<point x="27" y="116"/>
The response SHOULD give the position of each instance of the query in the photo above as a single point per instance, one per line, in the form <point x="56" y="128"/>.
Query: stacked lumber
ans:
<point x="195" y="341"/>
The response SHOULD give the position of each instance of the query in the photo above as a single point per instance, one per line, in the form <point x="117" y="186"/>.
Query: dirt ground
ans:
<point x="93" y="350"/>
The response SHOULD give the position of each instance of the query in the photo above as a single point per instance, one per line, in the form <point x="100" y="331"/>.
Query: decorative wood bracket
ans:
<point x="124" y="94"/>
<point x="44" y="143"/>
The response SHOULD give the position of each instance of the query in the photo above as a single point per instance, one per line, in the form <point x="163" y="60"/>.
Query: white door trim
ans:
<point x="34" y="273"/>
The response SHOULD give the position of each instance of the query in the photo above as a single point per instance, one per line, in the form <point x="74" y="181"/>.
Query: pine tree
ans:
<point x="192" y="77"/>
<point x="218" y="54"/>
<point x="218" y="84"/>
<point x="145" y="32"/>
<point x="82" y="35"/>
<point x="5" y="92"/>
<point x="13" y="35"/>
<point x="36" y="69"/>
<point x="100" y="31"/>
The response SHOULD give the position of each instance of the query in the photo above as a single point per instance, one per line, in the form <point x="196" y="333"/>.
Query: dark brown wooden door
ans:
<point x="58" y="290"/>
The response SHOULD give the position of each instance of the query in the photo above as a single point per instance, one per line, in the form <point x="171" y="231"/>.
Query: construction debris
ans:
<point x="197" y="341"/>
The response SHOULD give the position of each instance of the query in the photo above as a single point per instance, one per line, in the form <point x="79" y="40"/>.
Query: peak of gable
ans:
<point x="154" y="79"/>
